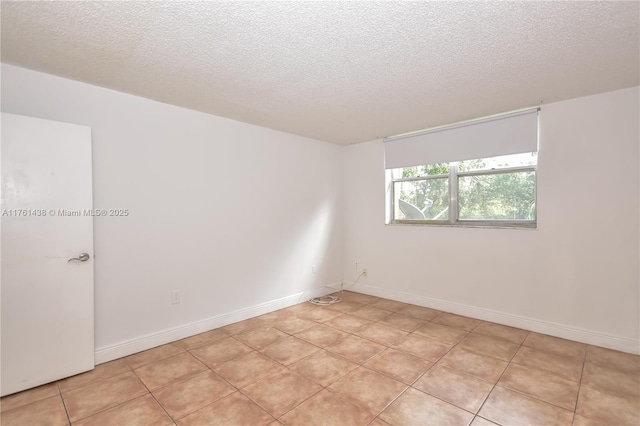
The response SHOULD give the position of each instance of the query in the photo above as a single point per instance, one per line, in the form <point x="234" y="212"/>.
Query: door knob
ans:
<point x="82" y="258"/>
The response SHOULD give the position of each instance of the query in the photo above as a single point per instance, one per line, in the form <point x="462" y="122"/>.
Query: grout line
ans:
<point x="436" y="363"/>
<point x="496" y="384"/>
<point x="408" y="387"/>
<point x="379" y="321"/>
<point x="161" y="406"/>
<point x="522" y="393"/>
<point x="240" y="390"/>
<point x="112" y="407"/>
<point x="575" y="407"/>
<point x="64" y="404"/>
<point x="204" y="406"/>
<point x="186" y="378"/>
<point x="155" y="360"/>
<point x="358" y="364"/>
<point x="361" y="364"/>
<point x="289" y="410"/>
<point x="93" y="382"/>
<point x="152" y="395"/>
<point x="420" y="376"/>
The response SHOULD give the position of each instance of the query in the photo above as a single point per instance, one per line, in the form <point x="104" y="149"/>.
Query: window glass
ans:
<point x="487" y="191"/>
<point x="501" y="196"/>
<point x="422" y="199"/>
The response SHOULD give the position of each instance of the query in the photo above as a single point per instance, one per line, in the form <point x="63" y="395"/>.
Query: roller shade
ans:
<point x="506" y="134"/>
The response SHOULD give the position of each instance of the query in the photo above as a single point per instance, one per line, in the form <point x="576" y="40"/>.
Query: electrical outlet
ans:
<point x="176" y="297"/>
<point x="365" y="272"/>
<point x="314" y="269"/>
<point x="356" y="264"/>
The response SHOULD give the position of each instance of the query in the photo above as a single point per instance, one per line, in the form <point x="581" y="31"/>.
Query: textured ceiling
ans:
<point x="343" y="72"/>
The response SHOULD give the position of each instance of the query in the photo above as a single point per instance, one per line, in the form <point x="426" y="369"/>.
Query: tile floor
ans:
<point x="363" y="361"/>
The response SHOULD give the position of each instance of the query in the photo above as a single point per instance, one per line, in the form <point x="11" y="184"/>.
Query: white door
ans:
<point x="47" y="299"/>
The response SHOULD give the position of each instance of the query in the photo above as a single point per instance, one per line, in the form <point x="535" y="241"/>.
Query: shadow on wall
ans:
<point x="306" y="265"/>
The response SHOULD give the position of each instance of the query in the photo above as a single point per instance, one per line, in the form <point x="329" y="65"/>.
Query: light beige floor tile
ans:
<point x="163" y="372"/>
<point x="319" y="314"/>
<point x="247" y="369"/>
<point x="344" y="306"/>
<point x="368" y="389"/>
<point x="279" y="393"/>
<point x="323" y="367"/>
<point x="356" y="348"/>
<point x="441" y="333"/>
<point x="480" y="366"/>
<point x="186" y="396"/>
<point x="579" y="420"/>
<point x="382" y="334"/>
<point x="299" y="308"/>
<point x="327" y="408"/>
<point x="456" y="321"/>
<point x="246" y="325"/>
<point x="49" y="411"/>
<point x="507" y="407"/>
<point x="260" y="337"/>
<point x="322" y="335"/>
<point x="398" y="365"/>
<point x="354" y="297"/>
<point x="28" y="396"/>
<point x="294" y="325"/>
<point x="373" y="350"/>
<point x="612" y="408"/>
<point x="104" y="394"/>
<point x="348" y="323"/>
<point x="479" y="421"/>
<point x="102" y="371"/>
<point x="490" y="346"/>
<point x="235" y="409"/>
<point x="462" y="390"/>
<point x="152" y="355"/>
<point x="614" y="360"/>
<point x="389" y="305"/>
<point x="221" y="351"/>
<point x="419" y="312"/>
<point x="609" y="380"/>
<point x="513" y="335"/>
<point x="403" y="322"/>
<point x="541" y="384"/>
<point x="289" y="350"/>
<point x="423" y="347"/>
<point x="278" y="316"/>
<point x="562" y="365"/>
<point x="417" y="408"/>
<point x="555" y="344"/>
<point x="378" y="422"/>
<point x="203" y="338"/>
<point x="370" y="313"/>
<point x="140" y="411"/>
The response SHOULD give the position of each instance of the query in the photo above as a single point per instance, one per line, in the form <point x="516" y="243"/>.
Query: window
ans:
<point x="476" y="173"/>
<point x="497" y="191"/>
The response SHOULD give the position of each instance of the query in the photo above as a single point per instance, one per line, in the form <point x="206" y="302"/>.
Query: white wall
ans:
<point x="575" y="276"/>
<point x="231" y="214"/>
<point x="234" y="215"/>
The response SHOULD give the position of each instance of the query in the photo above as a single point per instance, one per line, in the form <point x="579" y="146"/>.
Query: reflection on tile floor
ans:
<point x="363" y="361"/>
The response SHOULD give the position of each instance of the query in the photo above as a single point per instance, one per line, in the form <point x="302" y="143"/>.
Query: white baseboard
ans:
<point x="149" y="341"/>
<point x="545" y="327"/>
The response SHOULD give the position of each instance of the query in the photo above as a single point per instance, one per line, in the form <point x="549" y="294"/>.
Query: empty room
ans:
<point x="320" y="213"/>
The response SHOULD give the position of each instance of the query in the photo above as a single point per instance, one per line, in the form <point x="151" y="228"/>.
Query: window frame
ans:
<point x="454" y="220"/>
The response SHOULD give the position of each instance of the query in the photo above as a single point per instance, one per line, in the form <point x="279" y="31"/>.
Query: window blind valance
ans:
<point x="506" y="134"/>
